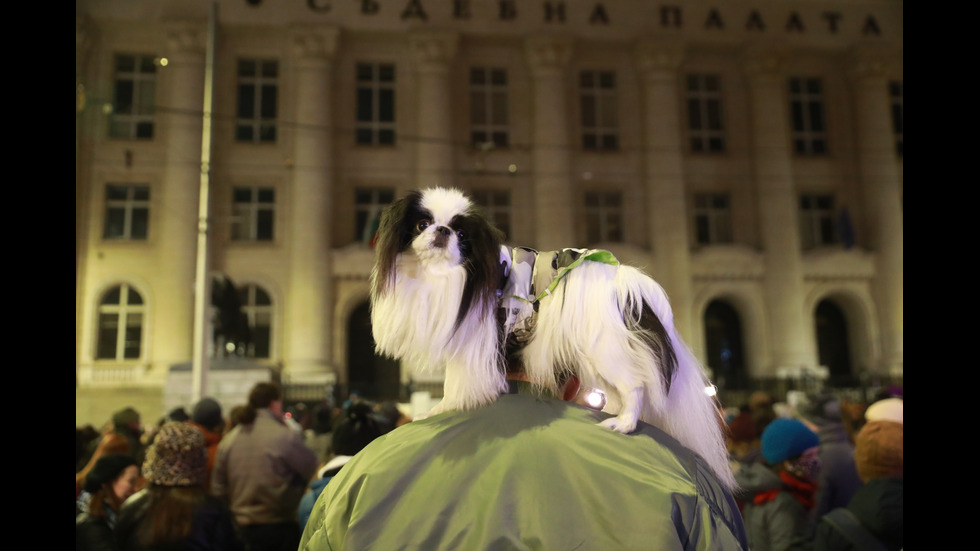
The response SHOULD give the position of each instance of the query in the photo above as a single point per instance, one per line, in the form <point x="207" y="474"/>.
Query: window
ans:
<point x="488" y="107"/>
<point x="257" y="307"/>
<point x="375" y="104"/>
<point x="367" y="211"/>
<point x="133" y="97"/>
<point x="704" y="113"/>
<point x="603" y="216"/>
<point x="253" y="213"/>
<point x="258" y="93"/>
<point x="600" y="126"/>
<point x="712" y="218"/>
<point x="496" y="204"/>
<point x="817" y="226"/>
<point x="127" y="212"/>
<point x="120" y="324"/>
<point x="897" y="91"/>
<point x="807" y="114"/>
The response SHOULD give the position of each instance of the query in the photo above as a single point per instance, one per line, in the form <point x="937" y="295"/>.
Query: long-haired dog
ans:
<point x="446" y="291"/>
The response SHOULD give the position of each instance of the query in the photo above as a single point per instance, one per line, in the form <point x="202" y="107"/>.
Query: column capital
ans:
<point x="186" y="37"/>
<point x="315" y="41"/>
<point x="546" y="53"/>
<point x="434" y="47"/>
<point x="865" y="61"/>
<point x="759" y="60"/>
<point x="658" y="56"/>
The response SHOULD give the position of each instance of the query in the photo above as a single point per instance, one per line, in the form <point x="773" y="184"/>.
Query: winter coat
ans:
<point x="262" y="470"/>
<point x="524" y="472"/>
<point x="878" y="505"/>
<point x="780" y="524"/>
<point x="839" y="478"/>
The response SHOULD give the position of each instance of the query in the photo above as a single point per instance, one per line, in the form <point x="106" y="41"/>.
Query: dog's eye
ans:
<point x="460" y="234"/>
<point x="422" y="224"/>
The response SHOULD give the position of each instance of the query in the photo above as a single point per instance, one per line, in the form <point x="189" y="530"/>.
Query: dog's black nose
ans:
<point x="444" y="231"/>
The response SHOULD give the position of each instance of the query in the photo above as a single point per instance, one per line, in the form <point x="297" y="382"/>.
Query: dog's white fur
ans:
<point x="587" y="326"/>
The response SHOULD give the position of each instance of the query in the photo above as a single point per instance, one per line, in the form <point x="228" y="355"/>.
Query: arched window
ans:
<point x="723" y="336"/>
<point x="120" y="324"/>
<point x="257" y="307"/>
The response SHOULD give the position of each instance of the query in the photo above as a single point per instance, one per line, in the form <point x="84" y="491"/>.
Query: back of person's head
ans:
<point x="177" y="457"/>
<point x="820" y="409"/>
<point x="355" y="430"/>
<point x="879" y="450"/>
<point x="178" y="414"/>
<point x="126" y="419"/>
<point x="207" y="413"/>
<point x="785" y="439"/>
<point x="262" y="395"/>
<point x="175" y="470"/>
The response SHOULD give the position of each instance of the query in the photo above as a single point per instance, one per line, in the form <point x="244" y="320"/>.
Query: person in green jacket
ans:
<point x="529" y="471"/>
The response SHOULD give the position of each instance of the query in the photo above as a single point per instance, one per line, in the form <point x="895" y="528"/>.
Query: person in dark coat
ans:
<point x="112" y="479"/>
<point x="839" y="478"/>
<point x="877" y="506"/>
<point x="175" y="512"/>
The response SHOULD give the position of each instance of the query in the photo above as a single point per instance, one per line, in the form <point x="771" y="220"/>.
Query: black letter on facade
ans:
<point x="461" y="9"/>
<point x="414" y="9"/>
<point x="369" y="7"/>
<point x="755" y="22"/>
<point x="714" y="20"/>
<point x="794" y="23"/>
<point x="832" y="18"/>
<point x="599" y="15"/>
<point x="552" y="11"/>
<point x="312" y="4"/>
<point x="670" y="16"/>
<point x="871" y="26"/>
<point x="507" y="10"/>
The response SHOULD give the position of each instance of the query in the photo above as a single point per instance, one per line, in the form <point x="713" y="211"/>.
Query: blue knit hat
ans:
<point x="785" y="439"/>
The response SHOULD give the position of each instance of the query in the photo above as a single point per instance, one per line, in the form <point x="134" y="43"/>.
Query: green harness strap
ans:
<point x="605" y="257"/>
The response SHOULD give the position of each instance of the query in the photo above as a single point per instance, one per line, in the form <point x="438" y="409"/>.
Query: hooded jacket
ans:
<point x="780" y="524"/>
<point x="879" y="506"/>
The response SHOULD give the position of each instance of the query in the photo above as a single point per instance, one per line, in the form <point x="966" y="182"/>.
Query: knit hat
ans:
<point x="742" y="428"/>
<point x="820" y="409"/>
<point x="207" y="413"/>
<point x="106" y="469"/>
<point x="177" y="457"/>
<point x="879" y="450"/>
<point x="785" y="439"/>
<point x="889" y="409"/>
<point x="125" y="417"/>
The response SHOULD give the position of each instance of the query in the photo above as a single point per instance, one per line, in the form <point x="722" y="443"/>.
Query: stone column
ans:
<point x="878" y="168"/>
<point x="658" y="65"/>
<point x="552" y="158"/>
<point x="434" y="52"/>
<point x="778" y="216"/>
<point x="182" y="121"/>
<point x="309" y="304"/>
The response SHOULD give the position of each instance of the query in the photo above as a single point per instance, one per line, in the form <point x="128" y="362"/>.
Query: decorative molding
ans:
<point x="548" y="53"/>
<point x="654" y="56"/>
<point x="186" y="37"/>
<point x="434" y="48"/>
<point x="315" y="41"/>
<point x="758" y="60"/>
<point x="872" y="62"/>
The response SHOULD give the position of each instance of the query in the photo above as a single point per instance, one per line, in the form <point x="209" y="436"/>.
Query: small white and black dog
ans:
<point x="446" y="291"/>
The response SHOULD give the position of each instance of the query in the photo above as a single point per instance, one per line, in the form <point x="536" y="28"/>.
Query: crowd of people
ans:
<point x="530" y="471"/>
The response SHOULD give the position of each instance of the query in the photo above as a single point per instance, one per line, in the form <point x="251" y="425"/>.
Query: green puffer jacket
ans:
<point x="524" y="473"/>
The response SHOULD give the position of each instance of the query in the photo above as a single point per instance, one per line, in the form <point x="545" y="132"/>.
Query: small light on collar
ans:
<point x="711" y="390"/>
<point x="595" y="399"/>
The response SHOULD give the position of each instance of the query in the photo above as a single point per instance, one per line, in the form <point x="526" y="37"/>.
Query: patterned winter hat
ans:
<point x="177" y="457"/>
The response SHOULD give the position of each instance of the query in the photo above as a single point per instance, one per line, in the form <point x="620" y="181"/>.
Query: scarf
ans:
<point x="800" y="489"/>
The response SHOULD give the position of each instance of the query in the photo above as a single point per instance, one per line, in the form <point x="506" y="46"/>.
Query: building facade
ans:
<point x="747" y="154"/>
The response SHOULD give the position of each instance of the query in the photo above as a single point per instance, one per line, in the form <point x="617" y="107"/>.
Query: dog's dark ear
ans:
<point x="394" y="235"/>
<point x="483" y="269"/>
<point x="658" y="339"/>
